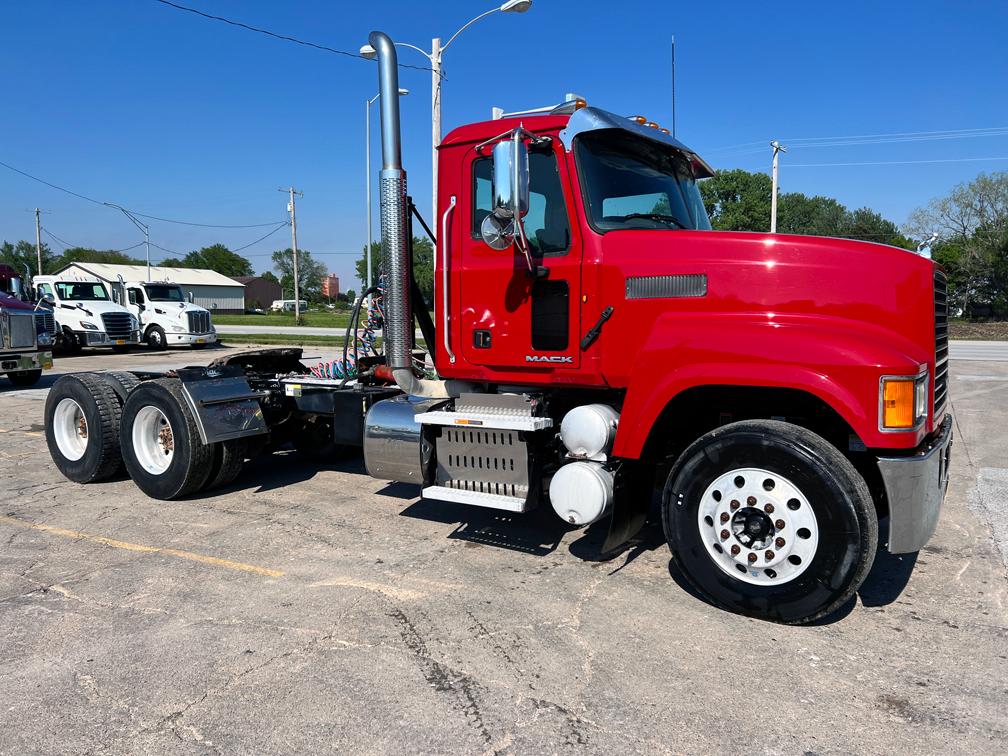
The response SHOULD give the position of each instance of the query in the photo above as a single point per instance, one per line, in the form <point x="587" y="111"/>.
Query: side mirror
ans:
<point x="49" y="299"/>
<point x="190" y="297"/>
<point x="510" y="192"/>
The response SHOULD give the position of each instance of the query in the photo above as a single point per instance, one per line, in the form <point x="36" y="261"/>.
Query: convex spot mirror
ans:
<point x="510" y="192"/>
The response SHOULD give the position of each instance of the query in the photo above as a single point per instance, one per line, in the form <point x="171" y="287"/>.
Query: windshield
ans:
<point x="85" y="291"/>
<point x="164" y="293"/>
<point x="632" y="182"/>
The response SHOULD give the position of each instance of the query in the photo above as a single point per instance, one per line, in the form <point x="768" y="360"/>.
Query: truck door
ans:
<point x="508" y="318"/>
<point x="136" y="302"/>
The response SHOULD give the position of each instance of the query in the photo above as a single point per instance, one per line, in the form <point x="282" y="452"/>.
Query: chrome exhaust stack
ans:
<point x="395" y="242"/>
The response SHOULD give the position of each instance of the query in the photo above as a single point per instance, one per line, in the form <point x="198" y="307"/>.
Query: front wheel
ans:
<point x="768" y="519"/>
<point x="156" y="338"/>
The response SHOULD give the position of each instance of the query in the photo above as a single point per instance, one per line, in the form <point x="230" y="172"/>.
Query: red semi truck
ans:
<point x="597" y="347"/>
<point x="26" y="332"/>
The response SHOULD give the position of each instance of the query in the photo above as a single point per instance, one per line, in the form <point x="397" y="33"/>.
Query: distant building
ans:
<point x="330" y="286"/>
<point x="209" y="289"/>
<point x="259" y="292"/>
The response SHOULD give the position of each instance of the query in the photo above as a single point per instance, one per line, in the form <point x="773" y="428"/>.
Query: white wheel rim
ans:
<point x="153" y="440"/>
<point x="763" y="531"/>
<point x="70" y="429"/>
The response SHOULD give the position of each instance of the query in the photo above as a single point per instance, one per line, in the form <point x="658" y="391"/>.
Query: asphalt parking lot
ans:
<point x="308" y="609"/>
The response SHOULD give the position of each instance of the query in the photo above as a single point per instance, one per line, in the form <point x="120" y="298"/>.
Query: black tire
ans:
<point x="229" y="456"/>
<point x="156" y="338"/>
<point x="121" y="382"/>
<point x="101" y="413"/>
<point x="25" y="377"/>
<point x="69" y="343"/>
<point x="846" y="522"/>
<point x="191" y="460"/>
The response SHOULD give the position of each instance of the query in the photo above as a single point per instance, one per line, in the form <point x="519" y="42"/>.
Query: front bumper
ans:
<point x="100" y="338"/>
<point x="18" y="362"/>
<point x="190" y="338"/>
<point x="915" y="485"/>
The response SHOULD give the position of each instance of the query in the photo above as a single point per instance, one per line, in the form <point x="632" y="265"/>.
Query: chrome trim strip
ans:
<point x="444" y="276"/>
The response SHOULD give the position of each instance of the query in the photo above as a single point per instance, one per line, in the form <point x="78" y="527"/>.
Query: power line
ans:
<point x="68" y="245"/>
<point x="275" y="35"/>
<point x="142" y="215"/>
<point x="895" y="162"/>
<point x="261" y="238"/>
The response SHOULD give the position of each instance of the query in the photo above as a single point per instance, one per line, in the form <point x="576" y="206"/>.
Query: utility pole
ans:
<point x="673" y="89"/>
<point x="38" y="242"/>
<point x="297" y="287"/>
<point x="777" y="149"/>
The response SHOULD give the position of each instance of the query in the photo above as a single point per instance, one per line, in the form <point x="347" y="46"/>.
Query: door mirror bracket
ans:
<point x="503" y="226"/>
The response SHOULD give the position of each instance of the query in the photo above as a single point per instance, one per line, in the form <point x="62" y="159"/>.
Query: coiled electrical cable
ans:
<point x="365" y="342"/>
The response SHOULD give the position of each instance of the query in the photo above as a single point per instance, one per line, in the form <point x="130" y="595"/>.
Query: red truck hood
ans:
<point x="7" y="302"/>
<point x="779" y="274"/>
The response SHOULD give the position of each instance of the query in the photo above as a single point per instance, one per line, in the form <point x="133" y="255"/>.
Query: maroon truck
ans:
<point x="26" y="332"/>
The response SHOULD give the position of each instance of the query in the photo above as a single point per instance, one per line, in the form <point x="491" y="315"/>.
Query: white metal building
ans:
<point x="210" y="289"/>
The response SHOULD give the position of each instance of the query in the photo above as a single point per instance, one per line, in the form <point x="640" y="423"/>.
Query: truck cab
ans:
<point x="86" y="315"/>
<point x="167" y="318"/>
<point x="26" y="332"/>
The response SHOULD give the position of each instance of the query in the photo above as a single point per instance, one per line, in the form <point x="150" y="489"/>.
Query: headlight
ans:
<point x="134" y="323"/>
<point x="88" y="326"/>
<point x="44" y="339"/>
<point x="178" y="329"/>
<point x="903" y="401"/>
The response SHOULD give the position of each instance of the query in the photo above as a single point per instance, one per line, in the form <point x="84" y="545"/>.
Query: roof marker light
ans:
<point x="639" y="119"/>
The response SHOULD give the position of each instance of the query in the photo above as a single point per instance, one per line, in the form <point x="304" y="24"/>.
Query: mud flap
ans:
<point x="634" y="491"/>
<point x="223" y="403"/>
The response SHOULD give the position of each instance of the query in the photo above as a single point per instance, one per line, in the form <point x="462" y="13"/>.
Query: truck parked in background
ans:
<point x="86" y="315"/>
<point x="26" y="332"/>
<point x="166" y="317"/>
<point x="597" y="348"/>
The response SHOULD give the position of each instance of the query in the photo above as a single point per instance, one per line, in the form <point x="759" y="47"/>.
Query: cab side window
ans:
<point x="45" y="289"/>
<point x="546" y="224"/>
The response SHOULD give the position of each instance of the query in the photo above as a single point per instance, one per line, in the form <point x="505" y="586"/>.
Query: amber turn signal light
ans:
<point x="898" y="403"/>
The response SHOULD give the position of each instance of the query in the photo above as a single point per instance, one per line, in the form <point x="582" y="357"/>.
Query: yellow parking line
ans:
<point x="76" y="534"/>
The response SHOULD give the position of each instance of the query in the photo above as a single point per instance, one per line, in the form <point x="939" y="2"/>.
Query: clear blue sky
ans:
<point x="132" y="102"/>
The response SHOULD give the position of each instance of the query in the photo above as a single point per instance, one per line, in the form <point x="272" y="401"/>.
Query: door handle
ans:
<point x="444" y="276"/>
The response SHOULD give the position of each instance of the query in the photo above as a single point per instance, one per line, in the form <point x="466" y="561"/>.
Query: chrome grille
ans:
<point x="45" y="323"/>
<point x="117" y="324"/>
<point x="199" y="322"/>
<point x="941" y="343"/>
<point x="22" y="331"/>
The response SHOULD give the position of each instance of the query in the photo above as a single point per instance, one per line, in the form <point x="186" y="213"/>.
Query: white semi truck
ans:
<point x="86" y="314"/>
<point x="166" y="317"/>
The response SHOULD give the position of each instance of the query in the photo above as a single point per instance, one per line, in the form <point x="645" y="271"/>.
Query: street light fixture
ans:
<point x="142" y="226"/>
<point x="367" y="182"/>
<point x="434" y="56"/>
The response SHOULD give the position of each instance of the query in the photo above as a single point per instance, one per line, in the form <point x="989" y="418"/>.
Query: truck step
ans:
<point x="493" y="421"/>
<point x="477" y="498"/>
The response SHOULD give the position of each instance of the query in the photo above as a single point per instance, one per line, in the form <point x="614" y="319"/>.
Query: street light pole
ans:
<point x="367" y="181"/>
<point x="293" y="220"/>
<point x="777" y="149"/>
<point x="434" y="56"/>
<point x="142" y="226"/>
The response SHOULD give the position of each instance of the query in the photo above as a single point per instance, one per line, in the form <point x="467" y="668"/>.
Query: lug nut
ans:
<point x="751" y="501"/>
<point x="734" y="504"/>
<point x="768" y="508"/>
<point x="735" y="549"/>
<point x="751" y="557"/>
<point x="779" y="543"/>
<point x="769" y="555"/>
<point x="724" y="535"/>
<point x="724" y="517"/>
<point x="779" y="524"/>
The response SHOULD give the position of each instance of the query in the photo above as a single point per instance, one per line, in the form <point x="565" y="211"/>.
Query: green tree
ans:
<point x="738" y="200"/>
<point x="24" y="253"/>
<point x="423" y="266"/>
<point x="971" y="223"/>
<point x="269" y="275"/>
<point x="86" y="255"/>
<point x="218" y="258"/>
<point x="310" y="273"/>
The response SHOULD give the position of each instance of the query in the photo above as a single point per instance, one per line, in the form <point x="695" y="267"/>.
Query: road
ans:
<point x="311" y="608"/>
